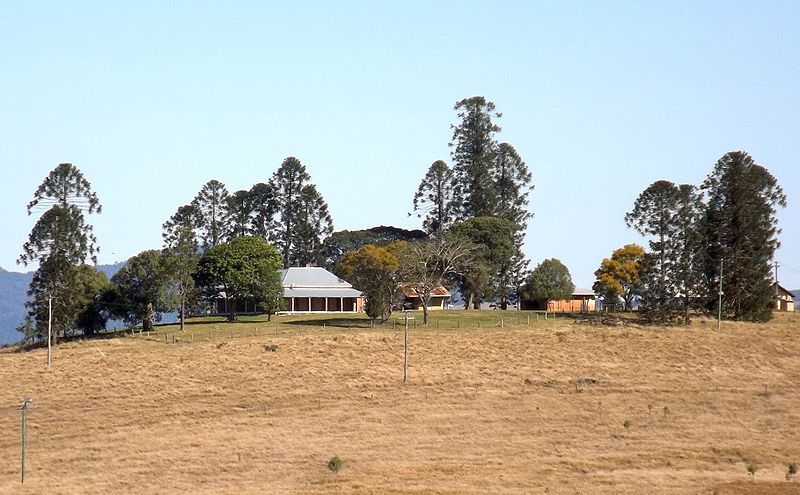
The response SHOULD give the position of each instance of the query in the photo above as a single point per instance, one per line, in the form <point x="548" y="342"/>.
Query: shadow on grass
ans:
<point x="335" y="322"/>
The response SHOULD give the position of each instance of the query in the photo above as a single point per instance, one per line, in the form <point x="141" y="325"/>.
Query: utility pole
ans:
<point x="24" y="409"/>
<point x="49" y="326"/>
<point x="719" y="304"/>
<point x="405" y="350"/>
<point x="777" y="293"/>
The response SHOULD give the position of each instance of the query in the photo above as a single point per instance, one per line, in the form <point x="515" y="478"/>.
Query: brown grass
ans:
<point x="486" y="411"/>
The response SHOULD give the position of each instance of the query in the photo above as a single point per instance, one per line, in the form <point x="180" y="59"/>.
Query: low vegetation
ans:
<point x="486" y="410"/>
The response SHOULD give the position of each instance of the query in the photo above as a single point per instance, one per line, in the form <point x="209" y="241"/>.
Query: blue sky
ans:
<point x="153" y="99"/>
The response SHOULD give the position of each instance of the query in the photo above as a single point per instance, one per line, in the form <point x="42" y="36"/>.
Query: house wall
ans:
<point x="415" y="303"/>
<point x="578" y="304"/>
<point x="317" y="304"/>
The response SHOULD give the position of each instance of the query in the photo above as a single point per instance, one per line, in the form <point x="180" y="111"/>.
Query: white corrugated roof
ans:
<point x="311" y="277"/>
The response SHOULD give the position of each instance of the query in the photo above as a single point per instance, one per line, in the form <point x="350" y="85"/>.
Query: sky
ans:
<point x="150" y="100"/>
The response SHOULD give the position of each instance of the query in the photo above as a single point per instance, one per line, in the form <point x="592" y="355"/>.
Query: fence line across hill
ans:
<point x="215" y="332"/>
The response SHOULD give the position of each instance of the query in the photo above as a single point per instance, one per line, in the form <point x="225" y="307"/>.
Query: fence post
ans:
<point x="24" y="409"/>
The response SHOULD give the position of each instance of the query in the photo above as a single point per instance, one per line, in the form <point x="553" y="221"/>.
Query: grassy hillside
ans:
<point x="551" y="407"/>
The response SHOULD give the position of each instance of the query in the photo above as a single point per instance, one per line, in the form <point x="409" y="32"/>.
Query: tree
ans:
<point x="741" y="230"/>
<point x="312" y="225"/>
<point x="513" y="185"/>
<point x="141" y="289"/>
<point x="621" y="275"/>
<point x="211" y="207"/>
<point x="59" y="242"/>
<point x="93" y="313"/>
<point x="473" y="155"/>
<point x="374" y="270"/>
<point x="427" y="264"/>
<point x="287" y="183"/>
<point x="263" y="202"/>
<point x="341" y="242"/>
<point x="488" y="275"/>
<point x="180" y="256"/>
<point x="434" y="198"/>
<point x="654" y="214"/>
<point x="246" y="268"/>
<point x="549" y="281"/>
<point x="689" y="254"/>
<point x="240" y="212"/>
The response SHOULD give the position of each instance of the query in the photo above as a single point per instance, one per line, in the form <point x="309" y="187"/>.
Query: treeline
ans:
<point x="230" y="245"/>
<point x="710" y="246"/>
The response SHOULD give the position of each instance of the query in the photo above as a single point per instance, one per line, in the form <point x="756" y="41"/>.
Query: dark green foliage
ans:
<point x="672" y="217"/>
<point x="213" y="214"/>
<point x="93" y="312"/>
<point x="342" y="242"/>
<point x="312" y="226"/>
<point x="513" y="184"/>
<point x="180" y="258"/>
<point x="29" y="331"/>
<point x="263" y="204"/>
<point x="473" y="154"/>
<point x="741" y="230"/>
<point x="304" y="220"/>
<point x="240" y="212"/>
<point x="335" y="464"/>
<point x="549" y="281"/>
<point x="246" y="268"/>
<point x="495" y="250"/>
<point x="60" y="241"/>
<point x="141" y="289"/>
<point x="434" y="198"/>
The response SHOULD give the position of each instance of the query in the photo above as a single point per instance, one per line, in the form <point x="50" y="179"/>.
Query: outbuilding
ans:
<point x="313" y="289"/>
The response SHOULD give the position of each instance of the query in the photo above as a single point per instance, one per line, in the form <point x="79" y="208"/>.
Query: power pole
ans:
<point x="49" y="326"/>
<point x="24" y="409"/>
<point x="719" y="304"/>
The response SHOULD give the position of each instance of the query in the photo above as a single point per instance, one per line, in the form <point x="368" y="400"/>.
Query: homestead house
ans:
<point x="581" y="301"/>
<point x="784" y="299"/>
<point x="313" y="289"/>
<point x="409" y="299"/>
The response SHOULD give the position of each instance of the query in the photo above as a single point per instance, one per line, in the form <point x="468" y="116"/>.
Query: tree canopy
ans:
<point x="549" y="281"/>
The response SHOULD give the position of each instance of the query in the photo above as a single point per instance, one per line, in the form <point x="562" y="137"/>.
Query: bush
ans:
<point x="792" y="471"/>
<point x="335" y="464"/>
<point x="271" y="348"/>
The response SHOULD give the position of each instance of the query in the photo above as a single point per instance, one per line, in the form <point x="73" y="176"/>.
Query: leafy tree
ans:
<point x="621" y="276"/>
<point x="434" y="198"/>
<point x="181" y="257"/>
<point x="343" y="241"/>
<point x="427" y="264"/>
<point x="246" y="268"/>
<point x="312" y="226"/>
<point x="742" y="229"/>
<point x="549" y="281"/>
<point x="141" y="288"/>
<point x="374" y="271"/>
<point x="185" y="218"/>
<point x="493" y="238"/>
<point x="473" y="155"/>
<point x="59" y="242"/>
<point x="93" y="313"/>
<point x="211" y="207"/>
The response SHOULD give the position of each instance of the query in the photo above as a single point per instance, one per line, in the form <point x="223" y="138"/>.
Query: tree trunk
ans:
<point x="468" y="300"/>
<point x="425" y="302"/>
<point x="147" y="320"/>
<point x="231" y="309"/>
<point x="183" y="313"/>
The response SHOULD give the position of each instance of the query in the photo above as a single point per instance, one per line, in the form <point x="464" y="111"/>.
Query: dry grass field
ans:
<point x="551" y="407"/>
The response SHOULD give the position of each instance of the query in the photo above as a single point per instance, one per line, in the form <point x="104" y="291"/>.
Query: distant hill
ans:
<point x="13" y="295"/>
<point x="796" y="293"/>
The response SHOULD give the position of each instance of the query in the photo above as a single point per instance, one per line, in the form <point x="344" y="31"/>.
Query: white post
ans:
<point x="292" y="305"/>
<point x="341" y="305"/>
<point x="49" y="327"/>
<point x="309" y="304"/>
<point x="326" y="304"/>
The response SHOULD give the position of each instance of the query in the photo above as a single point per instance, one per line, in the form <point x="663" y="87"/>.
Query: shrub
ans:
<point x="791" y="471"/>
<point x="270" y="347"/>
<point x="627" y="423"/>
<point x="751" y="470"/>
<point x="335" y="464"/>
